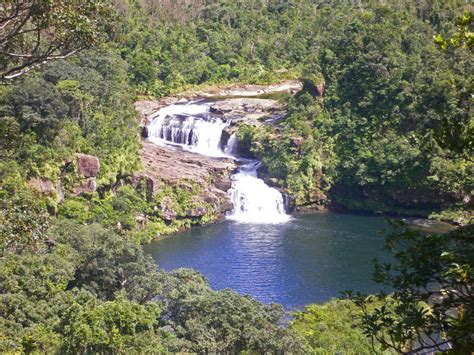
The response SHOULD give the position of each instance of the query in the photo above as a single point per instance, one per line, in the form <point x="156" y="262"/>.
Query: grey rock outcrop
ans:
<point x="244" y="107"/>
<point x="87" y="165"/>
<point x="163" y="166"/>
<point x="246" y="90"/>
<point x="87" y="186"/>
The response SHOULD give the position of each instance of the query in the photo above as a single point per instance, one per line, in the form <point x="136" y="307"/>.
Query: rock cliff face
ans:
<point x="41" y="185"/>
<point x="206" y="178"/>
<point x="83" y="178"/>
<point x="87" y="167"/>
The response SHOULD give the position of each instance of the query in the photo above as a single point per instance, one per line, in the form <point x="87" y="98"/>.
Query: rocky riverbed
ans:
<point x="233" y="101"/>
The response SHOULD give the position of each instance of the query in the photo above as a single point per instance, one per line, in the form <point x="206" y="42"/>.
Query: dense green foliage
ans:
<point x="86" y="289"/>
<point x="330" y="328"/>
<point x="463" y="37"/>
<point x="173" y="46"/>
<point x="81" y="105"/>
<point x="431" y="307"/>
<point x="405" y="116"/>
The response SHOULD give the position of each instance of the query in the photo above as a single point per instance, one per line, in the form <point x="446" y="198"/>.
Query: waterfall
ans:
<point x="192" y="127"/>
<point x="231" y="146"/>
<point x="189" y="126"/>
<point x="254" y="201"/>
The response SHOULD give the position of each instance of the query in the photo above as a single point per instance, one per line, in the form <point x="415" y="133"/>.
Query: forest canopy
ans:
<point x="384" y="123"/>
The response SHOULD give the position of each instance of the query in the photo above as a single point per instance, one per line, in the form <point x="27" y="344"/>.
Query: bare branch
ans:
<point x="18" y="71"/>
<point x="34" y="32"/>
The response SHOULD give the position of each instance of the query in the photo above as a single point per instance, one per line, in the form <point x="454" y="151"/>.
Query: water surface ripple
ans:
<point x="309" y="259"/>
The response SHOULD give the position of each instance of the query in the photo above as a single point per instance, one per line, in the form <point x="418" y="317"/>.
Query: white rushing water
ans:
<point x="231" y="146"/>
<point x="191" y="127"/>
<point x="254" y="201"/>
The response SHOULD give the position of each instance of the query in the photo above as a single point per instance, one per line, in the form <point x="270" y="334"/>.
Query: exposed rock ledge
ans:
<point x="242" y="90"/>
<point x="244" y="107"/>
<point x="165" y="166"/>
<point x="238" y="98"/>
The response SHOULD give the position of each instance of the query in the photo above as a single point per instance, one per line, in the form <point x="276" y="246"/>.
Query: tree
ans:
<point x="23" y="223"/>
<point x="206" y="321"/>
<point x="431" y="307"/>
<point x="112" y="327"/>
<point x="463" y="37"/>
<point x="106" y="263"/>
<point x="329" y="328"/>
<point x="33" y="32"/>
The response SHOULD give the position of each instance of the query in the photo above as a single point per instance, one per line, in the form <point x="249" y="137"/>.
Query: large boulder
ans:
<point x="41" y="185"/>
<point x="147" y="183"/>
<point x="314" y="82"/>
<point x="87" y="165"/>
<point x="198" y="211"/>
<point x="167" y="212"/>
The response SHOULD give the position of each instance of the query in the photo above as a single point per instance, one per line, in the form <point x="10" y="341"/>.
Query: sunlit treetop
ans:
<point x="463" y="37"/>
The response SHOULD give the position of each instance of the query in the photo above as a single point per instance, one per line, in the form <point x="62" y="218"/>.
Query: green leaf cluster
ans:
<point x="430" y="308"/>
<point x="332" y="328"/>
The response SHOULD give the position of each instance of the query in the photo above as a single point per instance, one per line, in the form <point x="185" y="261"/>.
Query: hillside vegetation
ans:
<point x="384" y="123"/>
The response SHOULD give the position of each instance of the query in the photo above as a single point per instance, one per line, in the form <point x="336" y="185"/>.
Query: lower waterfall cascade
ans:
<point x="192" y="127"/>
<point x="254" y="201"/>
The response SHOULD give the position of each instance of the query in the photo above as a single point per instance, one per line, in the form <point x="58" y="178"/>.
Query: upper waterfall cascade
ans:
<point x="192" y="127"/>
<point x="189" y="126"/>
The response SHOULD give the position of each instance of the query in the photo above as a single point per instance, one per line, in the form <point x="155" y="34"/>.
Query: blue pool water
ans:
<point x="311" y="258"/>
